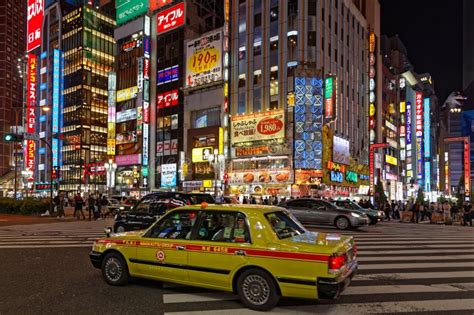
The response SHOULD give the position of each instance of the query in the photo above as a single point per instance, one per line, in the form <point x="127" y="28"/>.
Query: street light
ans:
<point x="215" y="159"/>
<point x="110" y="167"/>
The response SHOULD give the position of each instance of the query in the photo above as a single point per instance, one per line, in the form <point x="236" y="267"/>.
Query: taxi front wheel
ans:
<point x="114" y="269"/>
<point x="257" y="290"/>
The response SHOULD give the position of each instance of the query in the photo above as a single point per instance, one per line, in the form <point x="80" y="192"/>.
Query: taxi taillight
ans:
<point x="336" y="263"/>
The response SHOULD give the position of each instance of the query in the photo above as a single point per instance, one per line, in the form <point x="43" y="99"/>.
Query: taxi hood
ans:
<point x="127" y="234"/>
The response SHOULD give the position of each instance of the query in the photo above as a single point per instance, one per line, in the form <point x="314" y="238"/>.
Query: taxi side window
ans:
<point x="175" y="225"/>
<point x="223" y="227"/>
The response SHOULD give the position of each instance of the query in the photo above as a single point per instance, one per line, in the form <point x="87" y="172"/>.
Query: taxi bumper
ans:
<point x="96" y="259"/>
<point x="331" y="288"/>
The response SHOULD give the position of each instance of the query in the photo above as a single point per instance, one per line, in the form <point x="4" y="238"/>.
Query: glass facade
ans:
<point x="88" y="46"/>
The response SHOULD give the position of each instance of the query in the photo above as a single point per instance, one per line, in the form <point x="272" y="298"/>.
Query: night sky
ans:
<point x="432" y="33"/>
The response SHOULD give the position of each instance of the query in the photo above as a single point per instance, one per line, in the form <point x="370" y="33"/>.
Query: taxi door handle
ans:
<point x="179" y="247"/>
<point x="240" y="252"/>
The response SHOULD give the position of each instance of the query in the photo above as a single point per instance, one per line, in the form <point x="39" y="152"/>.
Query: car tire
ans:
<point x="115" y="269"/>
<point x="342" y="223"/>
<point x="119" y="228"/>
<point x="257" y="290"/>
<point x="373" y="221"/>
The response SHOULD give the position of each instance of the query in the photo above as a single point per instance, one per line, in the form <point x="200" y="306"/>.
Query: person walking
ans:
<point x="416" y="213"/>
<point x="91" y="205"/>
<point x="447" y="213"/>
<point x="78" y="206"/>
<point x="60" y="203"/>
<point x="467" y="217"/>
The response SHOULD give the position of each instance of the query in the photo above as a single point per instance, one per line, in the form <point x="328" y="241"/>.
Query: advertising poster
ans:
<point x="127" y="10"/>
<point x="168" y="175"/>
<point x="170" y="19"/>
<point x="261" y="177"/>
<point x="127" y="94"/>
<point x="204" y="59"/>
<point x="167" y="99"/>
<point x="340" y="152"/>
<point x="31" y="93"/>
<point x="34" y="24"/>
<point x="258" y="126"/>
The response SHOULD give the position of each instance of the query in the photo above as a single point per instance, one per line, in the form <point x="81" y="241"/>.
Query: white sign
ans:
<point x="168" y="175"/>
<point x="125" y="115"/>
<point x="204" y="59"/>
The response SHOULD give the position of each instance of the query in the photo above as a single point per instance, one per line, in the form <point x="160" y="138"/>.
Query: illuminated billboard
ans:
<point x="56" y="88"/>
<point x="171" y="18"/>
<point x="111" y="113"/>
<point x="308" y="118"/>
<point x="372" y="90"/>
<point x="168" y="75"/>
<point x="167" y="99"/>
<point x="127" y="10"/>
<point x="31" y="93"/>
<point x="330" y="91"/>
<point x="204" y="59"/>
<point x="267" y="125"/>
<point x="419" y="135"/>
<point x="34" y="24"/>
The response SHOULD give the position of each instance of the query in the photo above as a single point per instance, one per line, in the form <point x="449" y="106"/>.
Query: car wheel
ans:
<point x="120" y="228"/>
<point x="114" y="269"/>
<point x="373" y="221"/>
<point x="342" y="223"/>
<point x="257" y="290"/>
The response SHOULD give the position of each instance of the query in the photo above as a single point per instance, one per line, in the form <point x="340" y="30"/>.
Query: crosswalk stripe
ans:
<point x="414" y="275"/>
<point x="417" y="265"/>
<point x="354" y="308"/>
<point x="413" y="251"/>
<point x="411" y="258"/>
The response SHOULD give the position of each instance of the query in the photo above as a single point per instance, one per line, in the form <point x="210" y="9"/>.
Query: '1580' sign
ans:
<point x="258" y="126"/>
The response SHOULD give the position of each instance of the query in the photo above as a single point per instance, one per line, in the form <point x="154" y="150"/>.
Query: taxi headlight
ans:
<point x="355" y="215"/>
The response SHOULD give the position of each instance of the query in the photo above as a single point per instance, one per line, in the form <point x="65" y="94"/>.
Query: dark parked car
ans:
<point x="153" y="206"/>
<point x="374" y="215"/>
<point x="317" y="211"/>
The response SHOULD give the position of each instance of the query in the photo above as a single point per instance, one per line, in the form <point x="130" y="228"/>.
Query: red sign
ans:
<point x="170" y="19"/>
<point x="31" y="94"/>
<point x="156" y="4"/>
<point x="168" y="99"/>
<point x="146" y="68"/>
<point x="419" y="114"/>
<point x="146" y="112"/>
<point x="372" y="165"/>
<point x="30" y="157"/>
<point x="467" y="167"/>
<point x="269" y="126"/>
<point x="35" y="22"/>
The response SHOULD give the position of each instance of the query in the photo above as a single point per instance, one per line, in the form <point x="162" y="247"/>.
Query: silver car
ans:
<point x="317" y="211"/>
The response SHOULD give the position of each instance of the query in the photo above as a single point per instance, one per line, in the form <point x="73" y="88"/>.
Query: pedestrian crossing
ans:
<point x="52" y="235"/>
<point x="402" y="269"/>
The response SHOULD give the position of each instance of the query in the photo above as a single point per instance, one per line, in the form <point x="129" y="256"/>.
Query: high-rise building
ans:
<point x="12" y="46"/>
<point x="88" y="51"/>
<point x="284" y="131"/>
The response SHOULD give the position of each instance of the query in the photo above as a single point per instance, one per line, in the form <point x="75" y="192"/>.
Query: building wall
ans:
<point x="12" y="46"/>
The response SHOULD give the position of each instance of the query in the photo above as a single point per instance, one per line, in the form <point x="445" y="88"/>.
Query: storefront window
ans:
<point x="260" y="164"/>
<point x="206" y="117"/>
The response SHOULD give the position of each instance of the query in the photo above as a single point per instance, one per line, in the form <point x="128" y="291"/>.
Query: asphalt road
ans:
<point x="404" y="268"/>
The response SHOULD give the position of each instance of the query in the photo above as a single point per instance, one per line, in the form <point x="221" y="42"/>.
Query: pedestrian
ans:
<point x="91" y="205"/>
<point x="447" y="213"/>
<point x="416" y="213"/>
<point x="60" y="205"/>
<point x="467" y="217"/>
<point x="78" y="205"/>
<point x="245" y="200"/>
<point x="387" y="209"/>
<point x="253" y="201"/>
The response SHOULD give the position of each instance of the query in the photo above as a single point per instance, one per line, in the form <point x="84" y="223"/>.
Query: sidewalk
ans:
<point x="16" y="219"/>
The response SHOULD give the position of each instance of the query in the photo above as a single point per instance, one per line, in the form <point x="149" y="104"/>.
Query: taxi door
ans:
<point x="161" y="253"/>
<point x="217" y="248"/>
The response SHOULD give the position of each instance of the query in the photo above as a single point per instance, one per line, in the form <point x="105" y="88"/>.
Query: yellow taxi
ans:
<point x="261" y="253"/>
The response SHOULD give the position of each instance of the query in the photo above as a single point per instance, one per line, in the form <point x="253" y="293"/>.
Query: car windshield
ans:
<point x="284" y="224"/>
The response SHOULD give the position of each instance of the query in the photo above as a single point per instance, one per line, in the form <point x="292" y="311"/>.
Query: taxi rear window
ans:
<point x="284" y="225"/>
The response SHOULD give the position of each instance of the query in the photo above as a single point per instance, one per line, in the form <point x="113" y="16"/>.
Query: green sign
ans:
<point x="328" y="88"/>
<point x="145" y="171"/>
<point x="130" y="9"/>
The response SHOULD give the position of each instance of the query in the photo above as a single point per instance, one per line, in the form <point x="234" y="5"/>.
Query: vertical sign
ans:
<point x="372" y="91"/>
<point x="308" y="145"/>
<point x="408" y="141"/>
<point x="145" y="77"/>
<point x="34" y="24"/>
<point x="56" y="89"/>
<point x="31" y="93"/>
<point x="467" y="168"/>
<point x="111" y="112"/>
<point x="419" y="135"/>
<point x="329" y="97"/>
<point x="427" y="142"/>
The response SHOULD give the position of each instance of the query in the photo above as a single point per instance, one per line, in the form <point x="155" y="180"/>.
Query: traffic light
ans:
<point x="11" y="137"/>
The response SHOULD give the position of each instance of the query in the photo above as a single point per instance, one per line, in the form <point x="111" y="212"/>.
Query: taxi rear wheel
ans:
<point x="114" y="269"/>
<point x="257" y="290"/>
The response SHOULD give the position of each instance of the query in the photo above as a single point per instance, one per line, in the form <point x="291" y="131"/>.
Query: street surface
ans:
<point x="404" y="269"/>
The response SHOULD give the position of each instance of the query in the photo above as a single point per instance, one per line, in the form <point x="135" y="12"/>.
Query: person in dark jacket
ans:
<point x="78" y="206"/>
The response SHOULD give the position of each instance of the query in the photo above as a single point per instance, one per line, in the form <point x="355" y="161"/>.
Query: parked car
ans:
<point x="152" y="206"/>
<point x="259" y="252"/>
<point x="317" y="211"/>
<point x="374" y="215"/>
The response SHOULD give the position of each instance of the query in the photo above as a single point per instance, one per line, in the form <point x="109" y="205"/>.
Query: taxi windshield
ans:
<point x="284" y="224"/>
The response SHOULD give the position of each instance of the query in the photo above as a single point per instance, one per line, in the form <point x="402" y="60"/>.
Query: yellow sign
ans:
<point x="221" y="140"/>
<point x="127" y="94"/>
<point x="207" y="183"/>
<point x="403" y="106"/>
<point x="391" y="160"/>
<point x="269" y="125"/>
<point x="110" y="146"/>
<point x="201" y="154"/>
